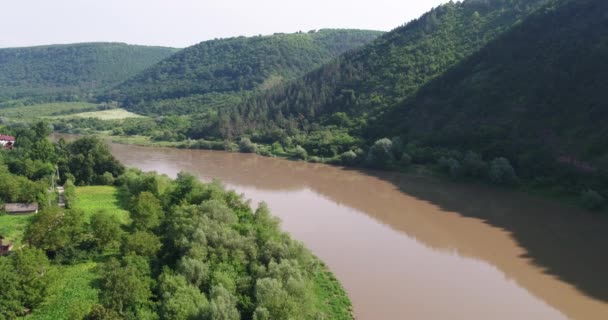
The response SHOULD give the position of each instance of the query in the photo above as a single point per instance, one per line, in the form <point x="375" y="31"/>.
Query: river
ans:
<point x="413" y="247"/>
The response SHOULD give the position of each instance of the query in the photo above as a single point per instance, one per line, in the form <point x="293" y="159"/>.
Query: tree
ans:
<point x="381" y="154"/>
<point x="57" y="231"/>
<point x="146" y="211"/>
<point x="502" y="173"/>
<point x="592" y="200"/>
<point x="223" y="305"/>
<point x="179" y="299"/>
<point x="106" y="230"/>
<point x="141" y="243"/>
<point x="125" y="285"/>
<point x="11" y="296"/>
<point x="245" y="145"/>
<point x="474" y="165"/>
<point x="99" y="312"/>
<point x="300" y="153"/>
<point x="33" y="271"/>
<point x="348" y="157"/>
<point x="89" y="158"/>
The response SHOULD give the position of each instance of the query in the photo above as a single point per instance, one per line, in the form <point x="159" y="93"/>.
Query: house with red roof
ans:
<point x="7" y="142"/>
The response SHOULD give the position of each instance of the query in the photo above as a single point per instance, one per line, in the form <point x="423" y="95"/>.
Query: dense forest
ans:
<point x="216" y="71"/>
<point x="535" y="95"/>
<point x="185" y="250"/>
<point x="364" y="83"/>
<point x="72" y="72"/>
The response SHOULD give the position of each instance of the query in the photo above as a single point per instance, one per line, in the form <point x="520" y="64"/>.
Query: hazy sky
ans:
<point x="180" y="23"/>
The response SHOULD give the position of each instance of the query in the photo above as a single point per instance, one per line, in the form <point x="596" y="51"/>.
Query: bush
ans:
<point x="474" y="165"/>
<point x="106" y="179"/>
<point x="502" y="173"/>
<point x="348" y="157"/>
<point x="406" y="160"/>
<point x="300" y="153"/>
<point x="451" y="166"/>
<point x="230" y="146"/>
<point x="381" y="154"/>
<point x="264" y="152"/>
<point x="277" y="148"/>
<point x="245" y="145"/>
<point x="398" y="146"/>
<point x="69" y="193"/>
<point x="592" y="200"/>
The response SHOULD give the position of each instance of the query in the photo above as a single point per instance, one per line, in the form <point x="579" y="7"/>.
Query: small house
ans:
<point x="4" y="248"/>
<point x="7" y="142"/>
<point x="21" y="208"/>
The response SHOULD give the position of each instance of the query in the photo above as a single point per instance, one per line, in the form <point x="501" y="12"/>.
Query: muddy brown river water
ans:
<point x="412" y="247"/>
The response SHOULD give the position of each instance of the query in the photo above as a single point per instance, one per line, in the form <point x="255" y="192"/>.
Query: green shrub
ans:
<point x="380" y="155"/>
<point x="348" y="157"/>
<point x="451" y="166"/>
<point x="405" y="160"/>
<point x="474" y="165"/>
<point x="106" y="179"/>
<point x="592" y="200"/>
<point x="502" y="173"/>
<point x="245" y="145"/>
<point x="69" y="193"/>
<point x="300" y="153"/>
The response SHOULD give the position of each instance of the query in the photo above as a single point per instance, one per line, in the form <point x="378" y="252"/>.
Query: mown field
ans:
<point x="63" y="110"/>
<point x="45" y="110"/>
<point x="112" y="114"/>
<point x="92" y="199"/>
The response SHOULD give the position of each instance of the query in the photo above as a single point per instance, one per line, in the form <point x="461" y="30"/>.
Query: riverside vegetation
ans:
<point x="142" y="246"/>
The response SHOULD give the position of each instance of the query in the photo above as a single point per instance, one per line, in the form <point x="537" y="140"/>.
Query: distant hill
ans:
<point x="365" y="83"/>
<point x="217" y="70"/>
<point x="537" y="95"/>
<point x="65" y="71"/>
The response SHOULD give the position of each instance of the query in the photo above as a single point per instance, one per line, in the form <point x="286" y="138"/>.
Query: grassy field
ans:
<point x="45" y="110"/>
<point x="95" y="198"/>
<point x="13" y="227"/>
<point x="71" y="296"/>
<point x="112" y="114"/>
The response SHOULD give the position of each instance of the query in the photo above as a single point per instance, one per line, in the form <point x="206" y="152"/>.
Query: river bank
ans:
<point x="526" y="187"/>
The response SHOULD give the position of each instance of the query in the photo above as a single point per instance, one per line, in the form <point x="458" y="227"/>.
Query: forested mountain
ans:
<point x="221" y="69"/>
<point x="365" y="82"/>
<point x="67" y="71"/>
<point x="519" y="82"/>
<point x="536" y="95"/>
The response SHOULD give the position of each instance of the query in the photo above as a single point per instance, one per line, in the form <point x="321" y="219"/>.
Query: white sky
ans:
<point x="180" y="23"/>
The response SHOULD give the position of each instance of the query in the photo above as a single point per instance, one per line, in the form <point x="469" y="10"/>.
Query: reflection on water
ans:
<point x="413" y="248"/>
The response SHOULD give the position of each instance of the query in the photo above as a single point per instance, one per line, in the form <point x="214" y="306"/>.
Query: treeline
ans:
<point x="71" y="72"/>
<point x="231" y="66"/>
<point x="27" y="171"/>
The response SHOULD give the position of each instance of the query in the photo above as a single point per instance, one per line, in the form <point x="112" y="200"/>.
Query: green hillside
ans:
<point x="220" y="69"/>
<point x="536" y="95"/>
<point x="73" y="71"/>
<point x="365" y="82"/>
